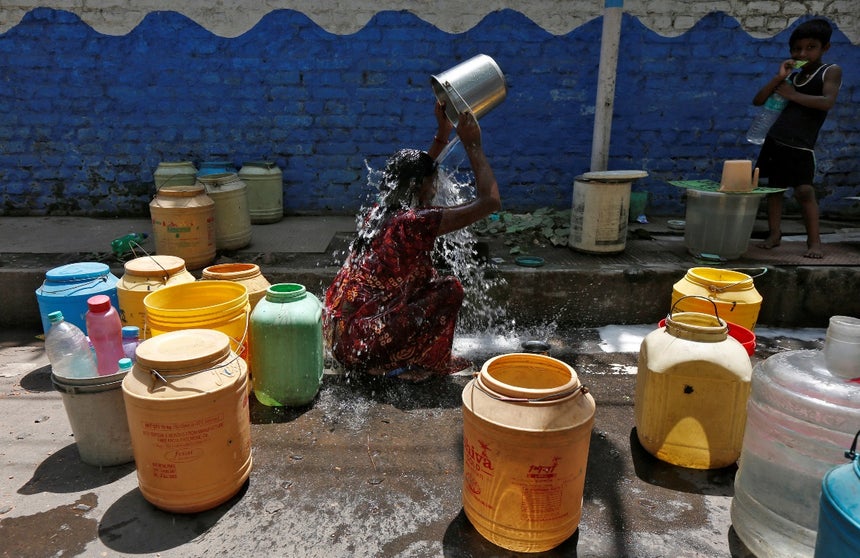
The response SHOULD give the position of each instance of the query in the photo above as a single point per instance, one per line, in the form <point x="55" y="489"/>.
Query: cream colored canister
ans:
<point x="692" y="388"/>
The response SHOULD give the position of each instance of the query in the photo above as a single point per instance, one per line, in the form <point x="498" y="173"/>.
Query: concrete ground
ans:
<point x="373" y="467"/>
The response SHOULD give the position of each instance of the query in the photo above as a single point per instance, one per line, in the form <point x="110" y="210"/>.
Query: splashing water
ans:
<point x="481" y="317"/>
<point x="458" y="250"/>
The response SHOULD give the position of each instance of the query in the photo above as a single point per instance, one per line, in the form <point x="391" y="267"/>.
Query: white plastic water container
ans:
<point x="719" y="223"/>
<point x="800" y="417"/>
<point x="600" y="210"/>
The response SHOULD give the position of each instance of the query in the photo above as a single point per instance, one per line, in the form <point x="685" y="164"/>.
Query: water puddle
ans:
<point x="62" y="531"/>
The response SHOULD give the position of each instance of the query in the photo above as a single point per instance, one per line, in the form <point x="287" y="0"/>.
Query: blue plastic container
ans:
<point x="216" y="167"/>
<point x="839" y="515"/>
<point x="67" y="288"/>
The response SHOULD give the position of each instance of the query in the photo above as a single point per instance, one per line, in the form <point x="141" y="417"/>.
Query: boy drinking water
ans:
<point x="787" y="157"/>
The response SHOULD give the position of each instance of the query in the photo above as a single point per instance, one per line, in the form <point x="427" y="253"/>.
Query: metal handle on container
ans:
<point x="852" y="453"/>
<point x="575" y="391"/>
<point x="716" y="312"/>
<point x="763" y="270"/>
<point x="450" y="89"/>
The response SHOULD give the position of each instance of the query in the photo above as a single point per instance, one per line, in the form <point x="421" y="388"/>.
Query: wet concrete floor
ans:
<point x="373" y="467"/>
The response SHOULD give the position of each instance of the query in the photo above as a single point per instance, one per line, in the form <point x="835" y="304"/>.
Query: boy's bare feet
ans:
<point x="771" y="241"/>
<point x="814" y="251"/>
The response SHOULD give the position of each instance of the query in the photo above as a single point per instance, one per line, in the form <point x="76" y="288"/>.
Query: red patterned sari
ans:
<point x="389" y="308"/>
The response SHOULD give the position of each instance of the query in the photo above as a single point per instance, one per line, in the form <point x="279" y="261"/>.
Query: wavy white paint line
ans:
<point x="343" y="17"/>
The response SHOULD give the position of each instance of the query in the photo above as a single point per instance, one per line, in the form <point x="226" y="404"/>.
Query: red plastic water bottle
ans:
<point x="105" y="331"/>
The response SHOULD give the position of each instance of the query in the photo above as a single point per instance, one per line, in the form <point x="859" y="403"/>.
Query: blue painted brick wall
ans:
<point x="88" y="117"/>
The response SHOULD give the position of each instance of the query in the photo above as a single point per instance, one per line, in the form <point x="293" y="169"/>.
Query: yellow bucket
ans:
<point x="186" y="401"/>
<point x="218" y="305"/>
<point x="142" y="276"/>
<point x="733" y="292"/>
<point x="526" y="431"/>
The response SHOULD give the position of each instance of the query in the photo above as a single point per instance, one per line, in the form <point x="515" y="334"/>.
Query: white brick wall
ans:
<point x="760" y="18"/>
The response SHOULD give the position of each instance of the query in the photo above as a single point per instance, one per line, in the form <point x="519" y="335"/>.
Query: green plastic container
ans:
<point x="286" y="346"/>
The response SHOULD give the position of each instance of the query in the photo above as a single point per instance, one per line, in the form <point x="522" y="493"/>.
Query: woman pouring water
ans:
<point x="388" y="311"/>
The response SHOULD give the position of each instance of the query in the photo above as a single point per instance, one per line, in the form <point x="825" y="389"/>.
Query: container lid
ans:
<point x="182" y="191"/>
<point x="231" y="271"/>
<point x="257" y="167"/>
<point x="614" y="176"/>
<point x="154" y="266"/>
<point x="182" y="351"/>
<point x="130" y="332"/>
<point x="218" y="179"/>
<point x="709" y="186"/>
<point x="78" y="271"/>
<point x="98" y="303"/>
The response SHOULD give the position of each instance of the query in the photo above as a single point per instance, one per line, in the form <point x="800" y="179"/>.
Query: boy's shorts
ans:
<point x="784" y="166"/>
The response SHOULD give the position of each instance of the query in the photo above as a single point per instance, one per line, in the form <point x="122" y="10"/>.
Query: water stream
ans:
<point x="482" y="319"/>
<point x="483" y="323"/>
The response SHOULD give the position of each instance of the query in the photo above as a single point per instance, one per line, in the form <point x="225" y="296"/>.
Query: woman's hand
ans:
<point x="468" y="130"/>
<point x="443" y="125"/>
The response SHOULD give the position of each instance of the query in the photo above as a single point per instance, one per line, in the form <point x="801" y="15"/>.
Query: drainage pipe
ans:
<point x="609" y="43"/>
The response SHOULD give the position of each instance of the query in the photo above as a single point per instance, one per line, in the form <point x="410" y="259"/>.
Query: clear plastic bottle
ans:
<point x="771" y="110"/>
<point x="130" y="340"/>
<point x="68" y="349"/>
<point x="800" y="417"/>
<point x="105" y="329"/>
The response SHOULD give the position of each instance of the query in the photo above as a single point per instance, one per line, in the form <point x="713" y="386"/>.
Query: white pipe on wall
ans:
<point x="606" y="76"/>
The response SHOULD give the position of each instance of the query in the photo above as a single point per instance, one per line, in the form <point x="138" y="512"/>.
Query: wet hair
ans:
<point x="404" y="172"/>
<point x="399" y="187"/>
<point x="817" y="28"/>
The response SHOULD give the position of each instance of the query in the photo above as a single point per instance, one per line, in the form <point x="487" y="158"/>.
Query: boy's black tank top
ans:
<point x="798" y="126"/>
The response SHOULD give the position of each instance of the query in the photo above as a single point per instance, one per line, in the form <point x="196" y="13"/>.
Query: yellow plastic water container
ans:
<point x="142" y="276"/>
<point x="732" y="291"/>
<point x="247" y="274"/>
<point x="692" y="388"/>
<point x="218" y="305"/>
<point x="526" y="432"/>
<point x="183" y="224"/>
<point x="187" y="405"/>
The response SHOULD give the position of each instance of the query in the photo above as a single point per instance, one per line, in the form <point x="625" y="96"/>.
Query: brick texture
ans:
<point x="87" y="117"/>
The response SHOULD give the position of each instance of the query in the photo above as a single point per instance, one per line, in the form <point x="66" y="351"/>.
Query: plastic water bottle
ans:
<point x="126" y="243"/>
<point x="105" y="329"/>
<point x="771" y="110"/>
<point x="68" y="350"/>
<point x="130" y="340"/>
<point x="124" y="365"/>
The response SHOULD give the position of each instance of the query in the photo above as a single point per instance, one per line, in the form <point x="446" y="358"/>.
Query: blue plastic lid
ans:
<point x="130" y="331"/>
<point x="77" y="271"/>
